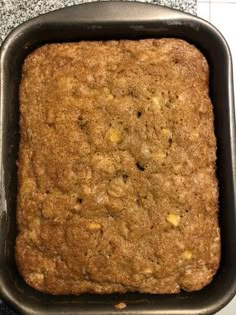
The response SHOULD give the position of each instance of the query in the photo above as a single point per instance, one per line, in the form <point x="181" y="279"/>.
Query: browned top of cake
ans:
<point x="117" y="186"/>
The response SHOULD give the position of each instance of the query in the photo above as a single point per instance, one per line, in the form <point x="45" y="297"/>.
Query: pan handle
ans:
<point x="94" y="15"/>
<point x="113" y="11"/>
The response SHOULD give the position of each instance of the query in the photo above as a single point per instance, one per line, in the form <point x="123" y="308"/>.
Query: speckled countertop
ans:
<point x="14" y="12"/>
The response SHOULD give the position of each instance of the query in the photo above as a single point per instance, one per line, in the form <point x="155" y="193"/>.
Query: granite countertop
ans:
<point x="13" y="13"/>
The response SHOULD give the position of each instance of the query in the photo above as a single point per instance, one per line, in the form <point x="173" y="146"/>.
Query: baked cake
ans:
<point x="117" y="189"/>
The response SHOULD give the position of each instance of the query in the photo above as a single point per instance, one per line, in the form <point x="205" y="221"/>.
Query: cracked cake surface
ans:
<point x="117" y="189"/>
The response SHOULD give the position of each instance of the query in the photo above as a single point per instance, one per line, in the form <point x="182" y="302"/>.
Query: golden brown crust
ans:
<point x="117" y="186"/>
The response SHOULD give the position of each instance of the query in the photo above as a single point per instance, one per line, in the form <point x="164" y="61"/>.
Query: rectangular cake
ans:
<point x="117" y="189"/>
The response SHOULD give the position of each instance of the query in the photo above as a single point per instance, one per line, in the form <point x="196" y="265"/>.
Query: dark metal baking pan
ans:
<point x="109" y="20"/>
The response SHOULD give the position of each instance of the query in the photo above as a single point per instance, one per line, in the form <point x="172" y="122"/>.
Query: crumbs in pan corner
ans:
<point x="120" y="306"/>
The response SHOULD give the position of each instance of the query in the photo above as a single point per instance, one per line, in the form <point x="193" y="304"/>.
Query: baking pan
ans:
<point x="115" y="20"/>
